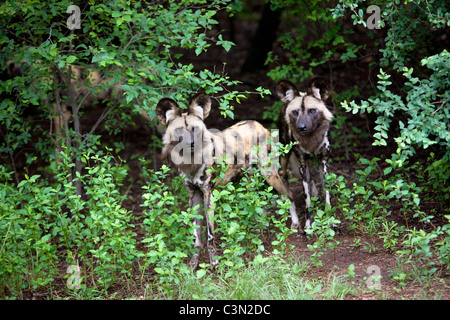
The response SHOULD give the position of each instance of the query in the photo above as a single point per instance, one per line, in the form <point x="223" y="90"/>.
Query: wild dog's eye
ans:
<point x="294" y="113"/>
<point x="312" y="110"/>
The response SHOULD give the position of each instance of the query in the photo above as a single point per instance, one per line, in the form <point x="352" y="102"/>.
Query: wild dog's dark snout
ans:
<point x="303" y="123"/>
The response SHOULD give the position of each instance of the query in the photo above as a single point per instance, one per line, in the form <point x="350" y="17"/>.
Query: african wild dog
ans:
<point x="194" y="149"/>
<point x="305" y="119"/>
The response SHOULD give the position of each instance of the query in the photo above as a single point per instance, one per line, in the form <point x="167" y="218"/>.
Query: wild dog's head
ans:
<point x="305" y="112"/>
<point x="186" y="132"/>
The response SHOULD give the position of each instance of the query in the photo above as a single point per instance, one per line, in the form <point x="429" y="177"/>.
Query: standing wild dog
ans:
<point x="194" y="149"/>
<point x="305" y="119"/>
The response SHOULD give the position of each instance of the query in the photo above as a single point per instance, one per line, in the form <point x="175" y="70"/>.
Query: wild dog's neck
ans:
<point x="195" y="172"/>
<point x="190" y="170"/>
<point x="199" y="178"/>
<point x="313" y="143"/>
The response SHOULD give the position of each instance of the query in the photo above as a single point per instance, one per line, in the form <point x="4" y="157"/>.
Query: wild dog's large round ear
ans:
<point x="287" y="91"/>
<point x="166" y="110"/>
<point x="319" y="88"/>
<point x="200" y="105"/>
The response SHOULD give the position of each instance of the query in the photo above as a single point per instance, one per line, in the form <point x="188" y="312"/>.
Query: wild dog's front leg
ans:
<point x="195" y="198"/>
<point x="324" y="175"/>
<point x="326" y="193"/>
<point x="323" y="158"/>
<point x="284" y="168"/>
<point x="305" y="175"/>
<point x="209" y="214"/>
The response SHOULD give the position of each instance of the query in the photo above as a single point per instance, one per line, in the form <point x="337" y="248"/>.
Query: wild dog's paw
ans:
<point x="336" y="229"/>
<point x="212" y="253"/>
<point x="295" y="226"/>
<point x="304" y="235"/>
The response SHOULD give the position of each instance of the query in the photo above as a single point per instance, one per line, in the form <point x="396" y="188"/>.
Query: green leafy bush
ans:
<point x="46" y="223"/>
<point x="245" y="220"/>
<point x="27" y="256"/>
<point x="168" y="225"/>
<point x="420" y="110"/>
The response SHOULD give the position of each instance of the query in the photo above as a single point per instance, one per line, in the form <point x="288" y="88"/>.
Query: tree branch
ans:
<point x="443" y="103"/>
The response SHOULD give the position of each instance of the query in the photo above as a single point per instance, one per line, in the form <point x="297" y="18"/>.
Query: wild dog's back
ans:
<point x="245" y="144"/>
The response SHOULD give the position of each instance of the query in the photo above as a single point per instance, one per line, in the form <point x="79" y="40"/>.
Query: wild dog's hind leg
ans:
<point x="275" y="181"/>
<point x="195" y="198"/>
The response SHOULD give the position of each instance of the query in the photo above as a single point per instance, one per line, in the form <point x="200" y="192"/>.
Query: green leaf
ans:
<point x="229" y="113"/>
<point x="387" y="170"/>
<point x="201" y="273"/>
<point x="226" y="207"/>
<point x="71" y="59"/>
